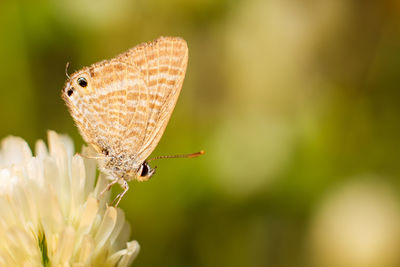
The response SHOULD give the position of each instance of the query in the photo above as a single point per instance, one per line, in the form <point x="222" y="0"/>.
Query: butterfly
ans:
<point x="122" y="106"/>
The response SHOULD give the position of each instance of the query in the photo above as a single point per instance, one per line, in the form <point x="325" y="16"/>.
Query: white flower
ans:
<point x="50" y="215"/>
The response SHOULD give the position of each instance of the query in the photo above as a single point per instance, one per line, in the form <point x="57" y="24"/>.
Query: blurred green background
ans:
<point x="296" y="103"/>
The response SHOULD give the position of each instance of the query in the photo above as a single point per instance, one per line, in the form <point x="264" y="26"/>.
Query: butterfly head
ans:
<point x="144" y="172"/>
<point x="121" y="166"/>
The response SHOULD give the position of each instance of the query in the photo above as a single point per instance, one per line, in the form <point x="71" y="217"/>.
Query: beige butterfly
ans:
<point x="122" y="106"/>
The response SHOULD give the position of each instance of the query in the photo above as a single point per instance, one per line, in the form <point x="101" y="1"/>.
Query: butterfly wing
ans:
<point x="163" y="65"/>
<point x="127" y="102"/>
<point x="111" y="108"/>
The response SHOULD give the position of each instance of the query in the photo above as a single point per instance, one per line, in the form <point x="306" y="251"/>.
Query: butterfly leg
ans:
<point x="108" y="187"/>
<point x="125" y="186"/>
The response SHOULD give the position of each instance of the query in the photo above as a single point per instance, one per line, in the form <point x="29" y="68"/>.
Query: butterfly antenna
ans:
<point x="66" y="69"/>
<point x="192" y="155"/>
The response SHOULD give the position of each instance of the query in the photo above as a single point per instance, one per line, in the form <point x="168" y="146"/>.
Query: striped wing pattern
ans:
<point x="115" y="96"/>
<point x="163" y="64"/>
<point x="129" y="99"/>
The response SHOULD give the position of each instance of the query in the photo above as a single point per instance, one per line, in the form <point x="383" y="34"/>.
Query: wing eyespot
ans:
<point x="82" y="82"/>
<point x="70" y="91"/>
<point x="105" y="151"/>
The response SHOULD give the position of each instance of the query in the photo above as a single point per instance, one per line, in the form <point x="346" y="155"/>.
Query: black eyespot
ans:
<point x="82" y="82"/>
<point x="70" y="91"/>
<point x="145" y="169"/>
<point x="106" y="152"/>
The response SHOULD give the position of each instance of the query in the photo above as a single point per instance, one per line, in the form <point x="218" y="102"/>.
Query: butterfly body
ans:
<point x="122" y="106"/>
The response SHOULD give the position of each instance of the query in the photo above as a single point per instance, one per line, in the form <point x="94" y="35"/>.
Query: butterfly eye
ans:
<point x="82" y="82"/>
<point x="144" y="169"/>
